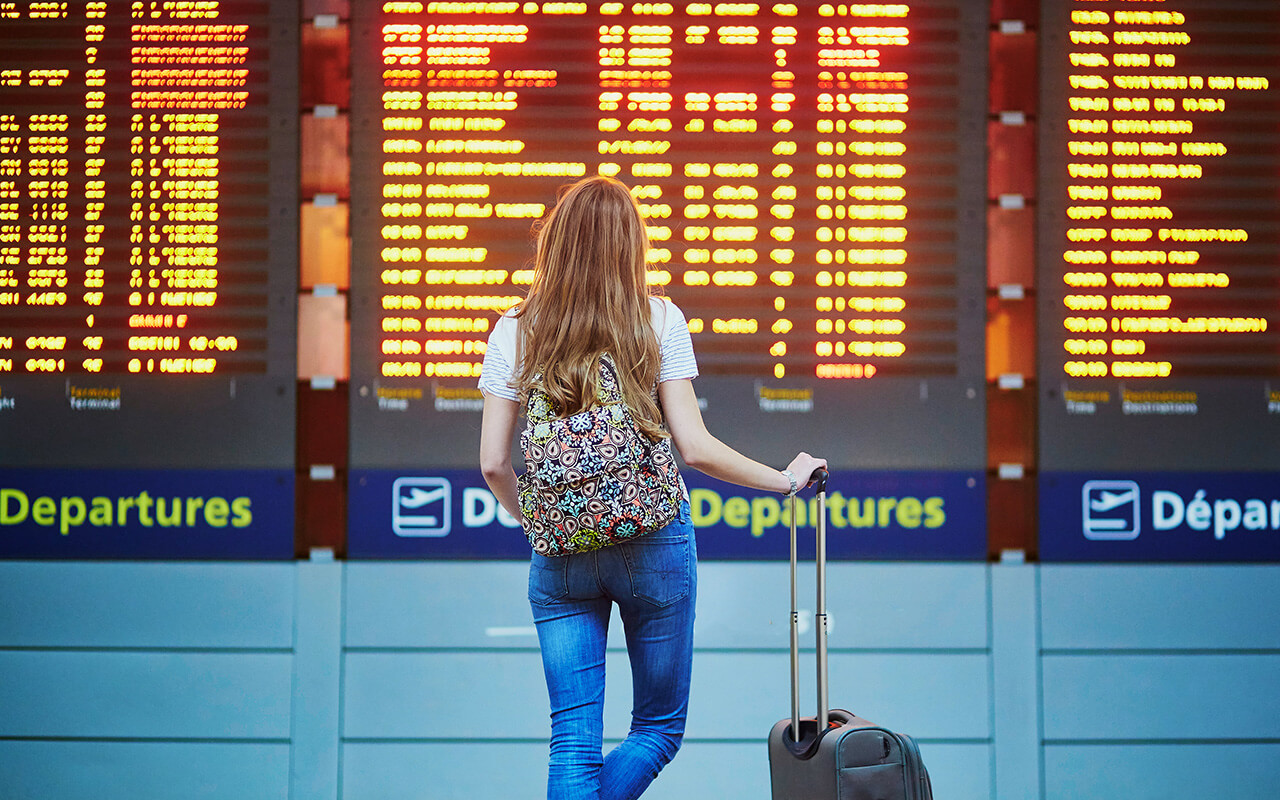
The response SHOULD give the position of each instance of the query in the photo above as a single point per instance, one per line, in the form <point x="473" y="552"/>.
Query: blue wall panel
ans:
<point x="1134" y="607"/>
<point x="1160" y="681"/>
<point x="933" y="696"/>
<point x="438" y="604"/>
<point x="317" y="683"/>
<point x="187" y="695"/>
<point x="1160" y="772"/>
<point x="146" y="680"/>
<point x="871" y="606"/>
<point x="1015" y="684"/>
<point x="445" y="771"/>
<point x="143" y="771"/>
<point x="80" y="604"/>
<point x="364" y="681"/>
<point x="443" y="695"/>
<point x="1204" y="697"/>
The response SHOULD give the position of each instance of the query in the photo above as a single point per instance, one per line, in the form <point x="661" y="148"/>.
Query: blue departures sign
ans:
<point x="871" y="515"/>
<point x="1159" y="516"/>
<point x="179" y="514"/>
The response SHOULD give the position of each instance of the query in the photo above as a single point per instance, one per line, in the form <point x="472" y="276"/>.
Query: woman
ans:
<point x="589" y="296"/>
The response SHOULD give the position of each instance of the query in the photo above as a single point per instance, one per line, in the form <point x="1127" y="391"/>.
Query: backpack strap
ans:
<point x="539" y="408"/>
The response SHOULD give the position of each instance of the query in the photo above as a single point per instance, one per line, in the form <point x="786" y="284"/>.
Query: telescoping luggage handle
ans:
<point x="819" y="478"/>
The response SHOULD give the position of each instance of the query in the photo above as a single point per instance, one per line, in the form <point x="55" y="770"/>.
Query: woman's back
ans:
<point x="590" y="296"/>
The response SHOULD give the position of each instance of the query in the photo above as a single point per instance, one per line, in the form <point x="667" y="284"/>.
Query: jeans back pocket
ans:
<point x="660" y="566"/>
<point x="548" y="579"/>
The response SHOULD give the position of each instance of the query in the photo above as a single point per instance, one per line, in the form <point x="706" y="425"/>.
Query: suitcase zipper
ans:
<point x="917" y="779"/>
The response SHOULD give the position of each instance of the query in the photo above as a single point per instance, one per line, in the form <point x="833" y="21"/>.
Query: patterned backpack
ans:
<point x="593" y="479"/>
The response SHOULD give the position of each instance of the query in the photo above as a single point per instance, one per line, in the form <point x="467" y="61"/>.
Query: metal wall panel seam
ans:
<point x="314" y="757"/>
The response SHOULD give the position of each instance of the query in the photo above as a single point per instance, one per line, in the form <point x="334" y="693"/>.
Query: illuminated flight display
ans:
<point x="802" y="168"/>
<point x="728" y="229"/>
<point x="148" y="229"/>
<point x="1160" y="239"/>
<point x="132" y="209"/>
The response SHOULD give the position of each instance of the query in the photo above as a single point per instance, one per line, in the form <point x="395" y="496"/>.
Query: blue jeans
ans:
<point x="653" y="579"/>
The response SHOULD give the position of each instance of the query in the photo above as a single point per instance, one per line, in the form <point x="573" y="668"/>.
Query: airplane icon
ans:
<point x="418" y="497"/>
<point x="1110" y="510"/>
<point x="1109" y="500"/>
<point x="421" y="507"/>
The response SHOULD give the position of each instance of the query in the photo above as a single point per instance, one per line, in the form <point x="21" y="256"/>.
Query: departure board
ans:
<point x="813" y="176"/>
<point x="148" y="230"/>
<point x="1160" y="277"/>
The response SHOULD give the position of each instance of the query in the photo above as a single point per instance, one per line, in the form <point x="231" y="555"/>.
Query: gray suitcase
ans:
<point x="836" y="755"/>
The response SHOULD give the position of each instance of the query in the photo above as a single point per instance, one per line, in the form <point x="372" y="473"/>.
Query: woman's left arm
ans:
<point x="497" y="426"/>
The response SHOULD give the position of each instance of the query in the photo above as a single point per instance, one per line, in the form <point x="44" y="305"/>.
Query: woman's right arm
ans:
<point x="705" y="453"/>
<point x="497" y="426"/>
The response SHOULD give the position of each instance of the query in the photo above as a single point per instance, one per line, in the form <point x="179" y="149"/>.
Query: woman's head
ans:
<point x="590" y="296"/>
<point x="593" y="243"/>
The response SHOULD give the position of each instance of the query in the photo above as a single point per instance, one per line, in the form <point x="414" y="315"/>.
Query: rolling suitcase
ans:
<point x="836" y="755"/>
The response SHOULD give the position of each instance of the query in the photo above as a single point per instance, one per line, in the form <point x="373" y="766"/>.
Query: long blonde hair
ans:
<point x="589" y="296"/>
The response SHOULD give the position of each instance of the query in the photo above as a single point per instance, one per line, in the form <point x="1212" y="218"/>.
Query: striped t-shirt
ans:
<point x="498" y="371"/>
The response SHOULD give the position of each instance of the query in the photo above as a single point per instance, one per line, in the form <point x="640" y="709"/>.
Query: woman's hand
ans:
<point x="803" y="466"/>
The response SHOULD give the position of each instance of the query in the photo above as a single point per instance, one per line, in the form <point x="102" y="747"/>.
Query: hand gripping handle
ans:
<point x="819" y="480"/>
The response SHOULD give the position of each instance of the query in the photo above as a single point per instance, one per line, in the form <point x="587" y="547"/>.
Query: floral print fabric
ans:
<point x="592" y="479"/>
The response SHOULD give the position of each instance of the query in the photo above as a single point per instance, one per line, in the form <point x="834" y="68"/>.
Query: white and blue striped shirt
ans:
<point x="498" y="371"/>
